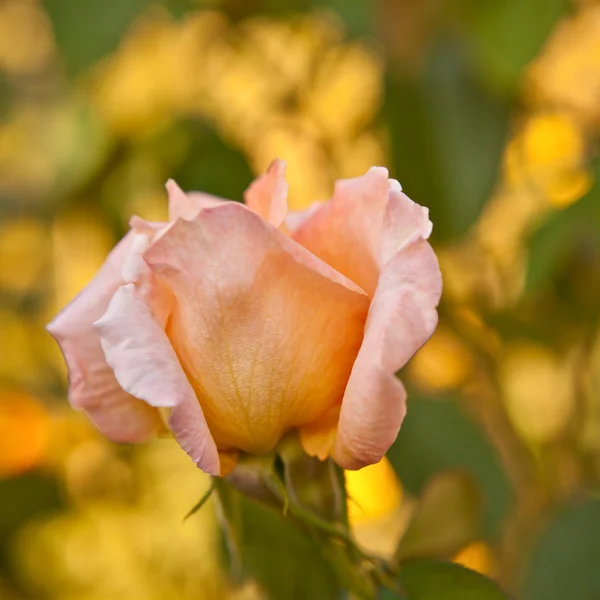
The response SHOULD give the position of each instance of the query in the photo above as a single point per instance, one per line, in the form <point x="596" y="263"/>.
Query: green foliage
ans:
<point x="437" y="436"/>
<point x="555" y="241"/>
<point x="565" y="563"/>
<point x="549" y="246"/>
<point x="309" y="494"/>
<point x="265" y="546"/>
<point x="86" y="31"/>
<point x="359" y="15"/>
<point x="447" y="518"/>
<point x="203" y="500"/>
<point x="212" y="166"/>
<point x="507" y="35"/>
<point x="435" y="580"/>
<point x="447" y="136"/>
<point x="24" y="498"/>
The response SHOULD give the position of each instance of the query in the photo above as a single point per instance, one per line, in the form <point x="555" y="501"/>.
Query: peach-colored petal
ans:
<point x="228" y="461"/>
<point x="150" y="228"/>
<point x="146" y="366"/>
<point x="125" y="419"/>
<point x="266" y="332"/>
<point x="92" y="384"/>
<point x="346" y="231"/>
<point x="404" y="222"/>
<point x="401" y="319"/>
<point x="318" y="438"/>
<point x="296" y="218"/>
<point x="187" y="206"/>
<point x="267" y="195"/>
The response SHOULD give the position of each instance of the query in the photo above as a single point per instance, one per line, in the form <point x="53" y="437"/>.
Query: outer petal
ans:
<point x="318" y="439"/>
<point x="404" y="222"/>
<point x="187" y="206"/>
<point x="146" y="365"/>
<point x="346" y="231"/>
<point x="296" y="218"/>
<point x="401" y="319"/>
<point x="267" y="195"/>
<point x="266" y="332"/>
<point x="92" y="384"/>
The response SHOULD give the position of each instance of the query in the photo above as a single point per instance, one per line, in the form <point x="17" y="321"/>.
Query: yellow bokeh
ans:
<point x="550" y="139"/>
<point x="377" y="509"/>
<point x="24" y="20"/>
<point x="443" y="363"/>
<point x="23" y="254"/>
<point x="337" y="105"/>
<point x="19" y="339"/>
<point x="567" y="71"/>
<point x="140" y="538"/>
<point x="73" y="269"/>
<point x="538" y="391"/>
<point x="373" y="492"/>
<point x="24" y="432"/>
<point x="547" y="156"/>
<point x="478" y="557"/>
<point x="271" y="88"/>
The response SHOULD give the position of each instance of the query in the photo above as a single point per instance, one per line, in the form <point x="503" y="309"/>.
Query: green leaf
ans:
<point x="447" y="135"/>
<point x="86" y="31"/>
<point x="271" y="550"/>
<point x="437" y="436"/>
<point x="549" y="246"/>
<point x="359" y="16"/>
<point x="212" y="166"/>
<point x="201" y="502"/>
<point x="179" y="8"/>
<point x="447" y="518"/>
<point x="552" y="243"/>
<point x="564" y="564"/>
<point x="310" y="495"/>
<point x="471" y="128"/>
<point x="25" y="498"/>
<point x="435" y="580"/>
<point x="507" y="35"/>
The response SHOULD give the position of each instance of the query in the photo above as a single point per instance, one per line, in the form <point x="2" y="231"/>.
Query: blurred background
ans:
<point x="487" y="112"/>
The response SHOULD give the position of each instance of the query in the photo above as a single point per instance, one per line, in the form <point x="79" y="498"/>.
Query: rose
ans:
<point x="231" y="325"/>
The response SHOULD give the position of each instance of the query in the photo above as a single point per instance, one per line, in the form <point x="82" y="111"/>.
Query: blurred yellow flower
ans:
<point x="47" y="148"/>
<point x="157" y="71"/>
<point x="23" y="254"/>
<point x="270" y="87"/>
<point x="337" y="102"/>
<point x="24" y="20"/>
<point x="24" y="432"/>
<point x="308" y="178"/>
<point x="567" y="72"/>
<point x="69" y="430"/>
<point x="478" y="557"/>
<point x="141" y="539"/>
<point x="20" y="362"/>
<point x="373" y="491"/>
<point x="443" y="363"/>
<point x="548" y="155"/>
<point x="80" y="244"/>
<point x="538" y="391"/>
<point x="23" y="165"/>
<point x="377" y="512"/>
